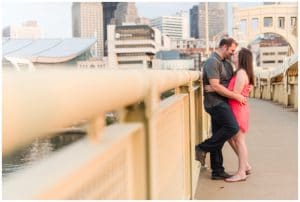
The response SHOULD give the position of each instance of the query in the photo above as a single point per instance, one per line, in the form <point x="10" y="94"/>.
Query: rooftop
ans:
<point x="46" y="50"/>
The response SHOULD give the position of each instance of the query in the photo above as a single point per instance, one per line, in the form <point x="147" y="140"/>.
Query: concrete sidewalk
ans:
<point x="272" y="144"/>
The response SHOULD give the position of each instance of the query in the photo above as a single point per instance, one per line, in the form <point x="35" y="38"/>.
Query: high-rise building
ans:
<point x="126" y="13"/>
<point x="28" y="29"/>
<point x="87" y="20"/>
<point x="169" y="25"/>
<point x="133" y="46"/>
<point x="217" y="19"/>
<point x="194" y="22"/>
<point x="185" y="24"/>
<point x="109" y="9"/>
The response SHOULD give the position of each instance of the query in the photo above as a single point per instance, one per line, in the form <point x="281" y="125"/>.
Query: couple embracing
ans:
<point x="225" y="99"/>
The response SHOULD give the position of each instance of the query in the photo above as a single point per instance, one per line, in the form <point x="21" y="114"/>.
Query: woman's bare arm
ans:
<point x="241" y="80"/>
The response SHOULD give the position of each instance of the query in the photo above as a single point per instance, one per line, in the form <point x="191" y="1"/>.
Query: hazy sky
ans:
<point x="54" y="18"/>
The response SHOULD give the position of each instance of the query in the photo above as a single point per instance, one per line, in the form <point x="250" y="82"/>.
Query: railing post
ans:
<point x="190" y="113"/>
<point x="95" y="128"/>
<point x="204" y="118"/>
<point x="193" y="91"/>
<point x="137" y="113"/>
<point x="284" y="94"/>
<point x="140" y="112"/>
<point x="151" y="103"/>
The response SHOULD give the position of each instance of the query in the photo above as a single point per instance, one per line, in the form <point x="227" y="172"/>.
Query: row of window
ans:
<point x="130" y="54"/>
<point x="130" y="62"/>
<point x="188" y="46"/>
<point x="268" y="22"/>
<point x="273" y="53"/>
<point x="123" y="33"/>
<point x="92" y="66"/>
<point x="272" y="61"/>
<point x="135" y="46"/>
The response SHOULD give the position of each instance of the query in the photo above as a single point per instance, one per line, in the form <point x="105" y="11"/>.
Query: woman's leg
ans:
<point x="232" y="143"/>
<point x="242" y="156"/>
<point x="243" y="153"/>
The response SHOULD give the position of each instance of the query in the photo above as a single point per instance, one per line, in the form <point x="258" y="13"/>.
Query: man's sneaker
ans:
<point x="200" y="156"/>
<point x="220" y="176"/>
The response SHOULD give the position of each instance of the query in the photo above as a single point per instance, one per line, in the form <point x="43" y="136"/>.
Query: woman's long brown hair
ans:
<point x="246" y="62"/>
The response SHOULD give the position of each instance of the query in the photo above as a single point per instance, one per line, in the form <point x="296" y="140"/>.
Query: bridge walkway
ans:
<point x="272" y="144"/>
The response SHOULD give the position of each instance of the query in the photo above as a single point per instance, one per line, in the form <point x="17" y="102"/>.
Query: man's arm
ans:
<point x="220" y="89"/>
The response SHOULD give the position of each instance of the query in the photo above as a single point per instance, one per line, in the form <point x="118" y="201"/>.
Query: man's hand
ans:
<point x="241" y="98"/>
<point x="250" y="88"/>
<point x="208" y="89"/>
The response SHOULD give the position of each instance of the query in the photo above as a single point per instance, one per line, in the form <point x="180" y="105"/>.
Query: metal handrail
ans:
<point x="37" y="104"/>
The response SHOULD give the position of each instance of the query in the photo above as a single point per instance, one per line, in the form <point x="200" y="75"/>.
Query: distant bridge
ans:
<point x="279" y="84"/>
<point x="279" y="19"/>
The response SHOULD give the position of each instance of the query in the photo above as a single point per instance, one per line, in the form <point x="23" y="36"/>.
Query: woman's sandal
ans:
<point x="236" y="178"/>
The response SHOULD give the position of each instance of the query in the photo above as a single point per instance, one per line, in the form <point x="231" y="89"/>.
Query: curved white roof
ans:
<point x="46" y="50"/>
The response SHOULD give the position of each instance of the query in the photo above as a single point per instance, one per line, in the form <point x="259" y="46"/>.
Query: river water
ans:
<point x="39" y="149"/>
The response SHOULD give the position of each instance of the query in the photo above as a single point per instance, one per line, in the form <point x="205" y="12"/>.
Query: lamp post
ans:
<point x="206" y="28"/>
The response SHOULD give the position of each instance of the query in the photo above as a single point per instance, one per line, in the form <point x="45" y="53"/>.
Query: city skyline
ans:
<point x="60" y="24"/>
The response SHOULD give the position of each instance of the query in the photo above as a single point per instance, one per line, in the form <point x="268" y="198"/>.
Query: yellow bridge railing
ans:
<point x="279" y="84"/>
<point x="148" y="154"/>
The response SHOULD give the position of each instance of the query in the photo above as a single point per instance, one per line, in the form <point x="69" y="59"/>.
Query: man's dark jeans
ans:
<point x="224" y="126"/>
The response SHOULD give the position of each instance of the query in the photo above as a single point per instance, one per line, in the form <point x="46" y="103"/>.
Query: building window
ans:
<point x="243" y="26"/>
<point x="269" y="53"/>
<point x="130" y="54"/>
<point x="293" y="22"/>
<point x="268" y="61"/>
<point x="282" y="53"/>
<point x="135" y="46"/>
<point x="130" y="62"/>
<point x="254" y="24"/>
<point x="281" y="22"/>
<point x="268" y="21"/>
<point x="280" y="61"/>
<point x="134" y="33"/>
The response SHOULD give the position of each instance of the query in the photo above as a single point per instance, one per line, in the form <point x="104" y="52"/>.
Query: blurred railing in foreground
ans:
<point x="148" y="154"/>
<point x="279" y="84"/>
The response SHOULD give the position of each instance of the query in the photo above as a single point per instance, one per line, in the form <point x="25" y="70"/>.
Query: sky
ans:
<point x="55" y="20"/>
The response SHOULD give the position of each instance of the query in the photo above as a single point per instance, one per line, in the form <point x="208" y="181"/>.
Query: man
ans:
<point x="217" y="73"/>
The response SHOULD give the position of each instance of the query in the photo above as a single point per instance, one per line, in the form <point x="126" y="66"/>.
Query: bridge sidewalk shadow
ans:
<point x="272" y="145"/>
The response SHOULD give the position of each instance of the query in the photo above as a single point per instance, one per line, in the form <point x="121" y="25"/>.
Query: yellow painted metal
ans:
<point x="112" y="169"/>
<point x="150" y="160"/>
<point x="279" y="84"/>
<point x="43" y="102"/>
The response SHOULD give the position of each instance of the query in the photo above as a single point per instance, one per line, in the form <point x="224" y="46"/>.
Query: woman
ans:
<point x="241" y="83"/>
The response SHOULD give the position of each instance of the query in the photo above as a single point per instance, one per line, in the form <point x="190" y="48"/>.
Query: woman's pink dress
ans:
<point x="241" y="112"/>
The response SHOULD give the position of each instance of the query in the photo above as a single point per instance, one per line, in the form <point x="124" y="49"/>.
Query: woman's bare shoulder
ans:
<point x="241" y="72"/>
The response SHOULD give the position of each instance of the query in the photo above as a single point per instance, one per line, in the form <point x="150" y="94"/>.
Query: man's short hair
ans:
<point x="228" y="42"/>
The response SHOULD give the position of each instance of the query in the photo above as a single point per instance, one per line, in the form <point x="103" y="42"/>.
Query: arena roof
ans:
<point x="46" y="50"/>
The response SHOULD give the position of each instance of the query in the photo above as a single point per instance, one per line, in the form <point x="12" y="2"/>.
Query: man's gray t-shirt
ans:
<point x="216" y="68"/>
